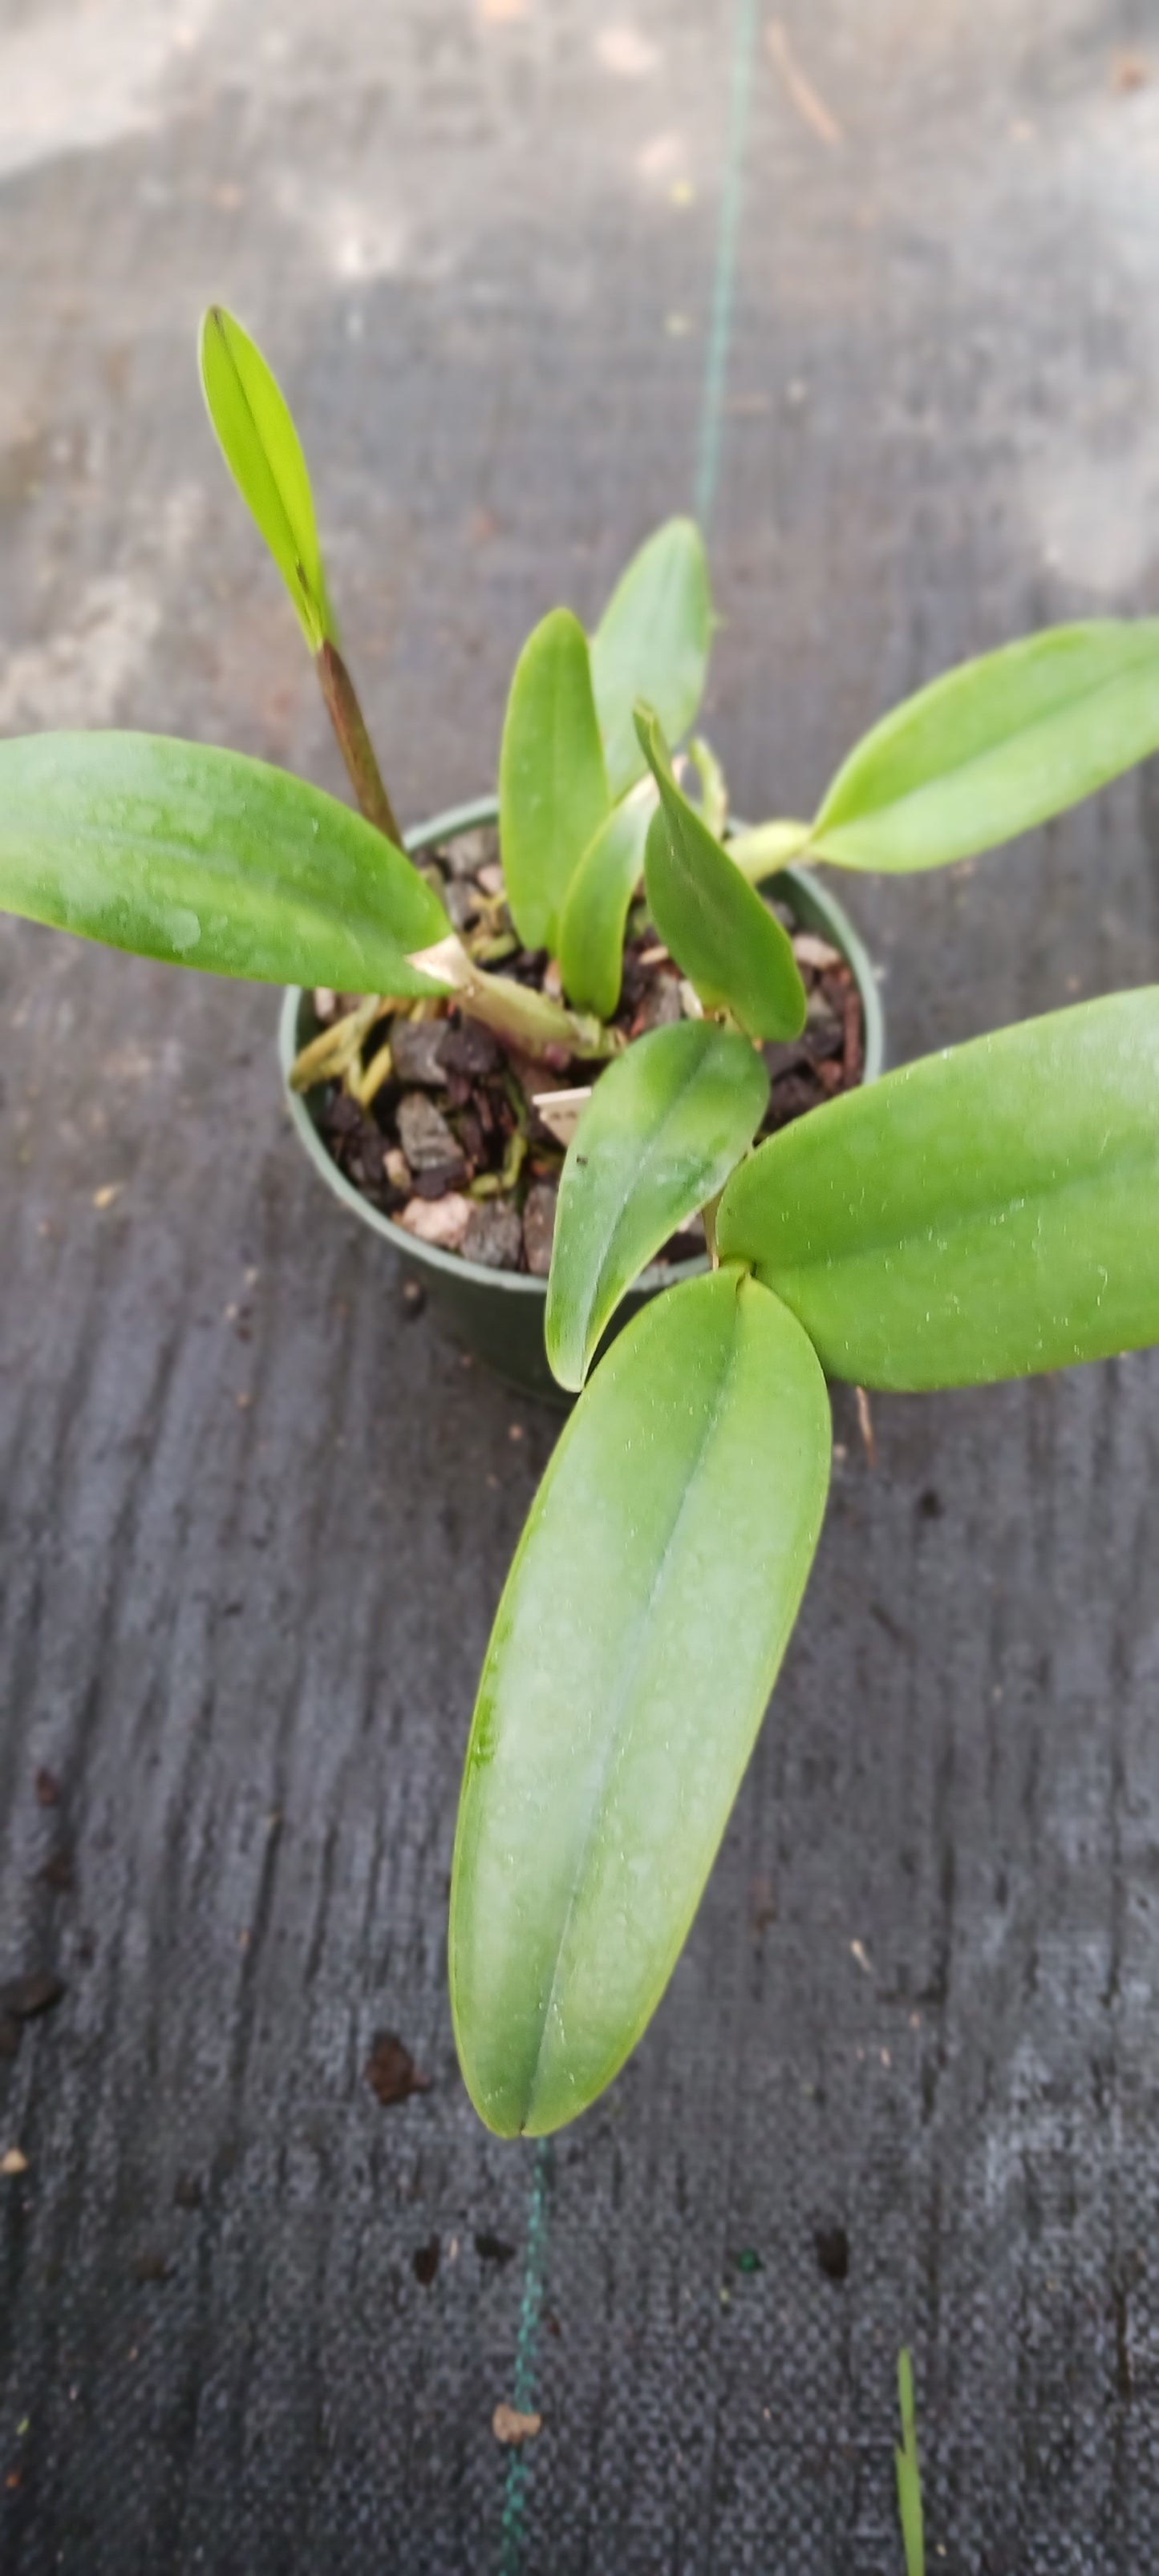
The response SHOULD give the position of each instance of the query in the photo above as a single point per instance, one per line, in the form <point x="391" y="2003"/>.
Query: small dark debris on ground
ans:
<point x="59" y="1871"/>
<point x="831" y="2246"/>
<point x="46" y="1788"/>
<point x="425" y="2261"/>
<point x="188" y="2192"/>
<point x="433" y="1120"/>
<point x="493" y="2249"/>
<point x="390" y="2070"/>
<point x="151" y="2269"/>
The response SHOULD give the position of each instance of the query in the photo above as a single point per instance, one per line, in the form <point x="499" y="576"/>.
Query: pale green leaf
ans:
<point x="658" y="1138"/>
<point x="553" y="790"/>
<point x="595" y="912"/>
<point x="636" y="1643"/>
<point x="653" y="642"/>
<point x="207" y="859"/>
<point x="728" y="942"/>
<point x="713" y="806"/>
<point x="909" y="2484"/>
<point x="262" y="450"/>
<point x="994" y="747"/>
<point x="981" y="1214"/>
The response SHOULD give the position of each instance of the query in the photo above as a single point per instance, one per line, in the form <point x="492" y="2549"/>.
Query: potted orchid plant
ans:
<point x="602" y="1007"/>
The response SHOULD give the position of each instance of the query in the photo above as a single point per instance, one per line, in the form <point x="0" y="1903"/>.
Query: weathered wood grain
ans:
<point x="253" y="1521"/>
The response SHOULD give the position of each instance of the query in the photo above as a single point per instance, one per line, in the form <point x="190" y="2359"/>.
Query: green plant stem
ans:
<point x="544" y="1028"/>
<point x="708" y="1213"/>
<point x="770" y="846"/>
<point x="526" y="1019"/>
<point x="354" y="741"/>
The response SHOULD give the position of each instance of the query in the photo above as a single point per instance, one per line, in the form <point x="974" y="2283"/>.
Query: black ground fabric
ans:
<point x="873" y="286"/>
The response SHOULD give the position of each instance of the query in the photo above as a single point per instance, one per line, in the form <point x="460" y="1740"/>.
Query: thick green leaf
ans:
<point x="208" y="859"/>
<point x="981" y="1214"/>
<point x="995" y="747"/>
<point x="636" y="1643"/>
<point x="727" y="941"/>
<point x="553" y="790"/>
<point x="595" y="913"/>
<point x="662" y="1131"/>
<point x="262" y="450"/>
<point x="653" y="642"/>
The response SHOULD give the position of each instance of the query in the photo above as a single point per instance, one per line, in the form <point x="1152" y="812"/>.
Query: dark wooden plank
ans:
<point x="254" y="1521"/>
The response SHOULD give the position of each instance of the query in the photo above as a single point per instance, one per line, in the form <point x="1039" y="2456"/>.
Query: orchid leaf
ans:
<point x="595" y="912"/>
<point x="983" y="1213"/>
<point x="637" y="1640"/>
<point x="996" y="746"/>
<point x="653" y="642"/>
<point x="208" y="859"/>
<point x="728" y="942"/>
<point x="262" y="449"/>
<point x="713" y="808"/>
<point x="553" y="788"/>
<point x="662" y="1131"/>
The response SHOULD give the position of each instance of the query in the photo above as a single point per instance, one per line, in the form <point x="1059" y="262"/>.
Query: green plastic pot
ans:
<point x="498" y="1314"/>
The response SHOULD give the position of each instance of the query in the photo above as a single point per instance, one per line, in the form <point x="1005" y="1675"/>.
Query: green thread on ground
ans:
<point x="526" y="2357"/>
<point x="746" y="28"/>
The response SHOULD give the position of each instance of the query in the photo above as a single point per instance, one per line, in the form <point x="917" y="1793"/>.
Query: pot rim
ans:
<point x="447" y="826"/>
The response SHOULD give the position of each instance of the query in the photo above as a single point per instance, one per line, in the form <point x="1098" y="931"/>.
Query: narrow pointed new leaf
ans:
<point x="909" y="2481"/>
<point x="595" y="913"/>
<point x="727" y="941"/>
<point x="553" y="789"/>
<point x="662" y="1131"/>
<point x="261" y="447"/>
<point x="713" y="786"/>
<point x="208" y="859"/>
<point x="653" y="642"/>
<point x="981" y="1214"/>
<point x="636" y="1643"/>
<point x="995" y="747"/>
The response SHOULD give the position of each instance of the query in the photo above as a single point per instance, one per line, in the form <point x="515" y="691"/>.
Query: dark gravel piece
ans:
<point x="660" y="1008"/>
<point x="441" y="1178"/>
<point x="470" y="1048"/>
<point x="472" y="851"/>
<point x="461" y="902"/>
<point x="424" y="1135"/>
<point x="417" y="1049"/>
<point x="494" y="1236"/>
<point x="783" y="1055"/>
<point x="539" y="1228"/>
